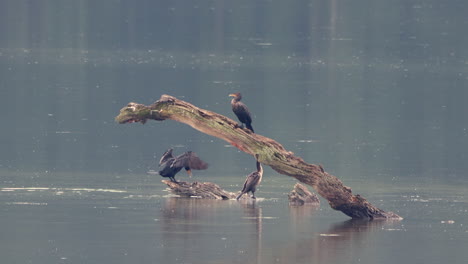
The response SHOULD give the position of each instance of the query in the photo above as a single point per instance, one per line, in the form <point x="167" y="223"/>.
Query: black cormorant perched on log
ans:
<point x="254" y="179"/>
<point x="170" y="166"/>
<point x="241" y="111"/>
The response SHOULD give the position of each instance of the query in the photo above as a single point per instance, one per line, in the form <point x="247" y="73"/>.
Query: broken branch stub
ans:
<point x="300" y="195"/>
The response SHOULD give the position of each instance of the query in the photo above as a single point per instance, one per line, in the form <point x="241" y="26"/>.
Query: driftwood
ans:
<point x="206" y="190"/>
<point x="339" y="196"/>
<point x="300" y="195"/>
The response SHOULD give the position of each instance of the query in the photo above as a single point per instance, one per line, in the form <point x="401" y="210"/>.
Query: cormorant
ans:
<point x="170" y="166"/>
<point x="254" y="179"/>
<point x="241" y="111"/>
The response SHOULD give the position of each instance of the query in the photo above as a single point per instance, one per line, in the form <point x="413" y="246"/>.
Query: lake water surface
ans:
<point x="78" y="221"/>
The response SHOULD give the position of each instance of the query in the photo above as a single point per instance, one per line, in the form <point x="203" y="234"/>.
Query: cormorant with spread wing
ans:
<point x="170" y="166"/>
<point x="254" y="179"/>
<point x="241" y="111"/>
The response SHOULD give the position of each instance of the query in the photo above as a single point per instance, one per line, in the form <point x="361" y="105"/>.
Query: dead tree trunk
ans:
<point x="271" y="152"/>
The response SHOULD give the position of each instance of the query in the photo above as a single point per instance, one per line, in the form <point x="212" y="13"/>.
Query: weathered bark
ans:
<point x="206" y="190"/>
<point x="270" y="152"/>
<point x="300" y="195"/>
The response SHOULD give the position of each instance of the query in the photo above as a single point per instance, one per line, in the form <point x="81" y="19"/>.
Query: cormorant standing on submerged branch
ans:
<point x="170" y="166"/>
<point x="241" y="111"/>
<point x="254" y="179"/>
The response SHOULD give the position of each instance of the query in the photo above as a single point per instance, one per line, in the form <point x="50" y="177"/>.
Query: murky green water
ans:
<point x="375" y="91"/>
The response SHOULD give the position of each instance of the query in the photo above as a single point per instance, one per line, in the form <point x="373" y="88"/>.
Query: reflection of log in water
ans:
<point x="192" y="228"/>
<point x="330" y="246"/>
<point x="302" y="214"/>
<point x="172" y="211"/>
<point x="182" y="224"/>
<point x="186" y="226"/>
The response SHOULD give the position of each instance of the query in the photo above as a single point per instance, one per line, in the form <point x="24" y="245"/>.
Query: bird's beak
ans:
<point x="232" y="95"/>
<point x="189" y="172"/>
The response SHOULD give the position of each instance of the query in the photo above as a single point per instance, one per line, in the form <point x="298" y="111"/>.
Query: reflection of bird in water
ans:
<point x="241" y="111"/>
<point x="170" y="166"/>
<point x="254" y="179"/>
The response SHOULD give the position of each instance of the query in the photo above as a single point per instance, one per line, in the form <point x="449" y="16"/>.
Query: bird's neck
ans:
<point x="259" y="168"/>
<point x="234" y="100"/>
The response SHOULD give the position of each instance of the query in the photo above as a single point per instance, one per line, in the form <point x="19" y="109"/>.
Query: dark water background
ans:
<point x="375" y="91"/>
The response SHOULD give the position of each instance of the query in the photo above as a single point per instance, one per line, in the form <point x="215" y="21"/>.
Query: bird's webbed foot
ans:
<point x="173" y="180"/>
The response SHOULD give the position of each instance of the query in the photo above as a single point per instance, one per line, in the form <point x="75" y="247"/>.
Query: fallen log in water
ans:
<point x="271" y="153"/>
<point x="206" y="190"/>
